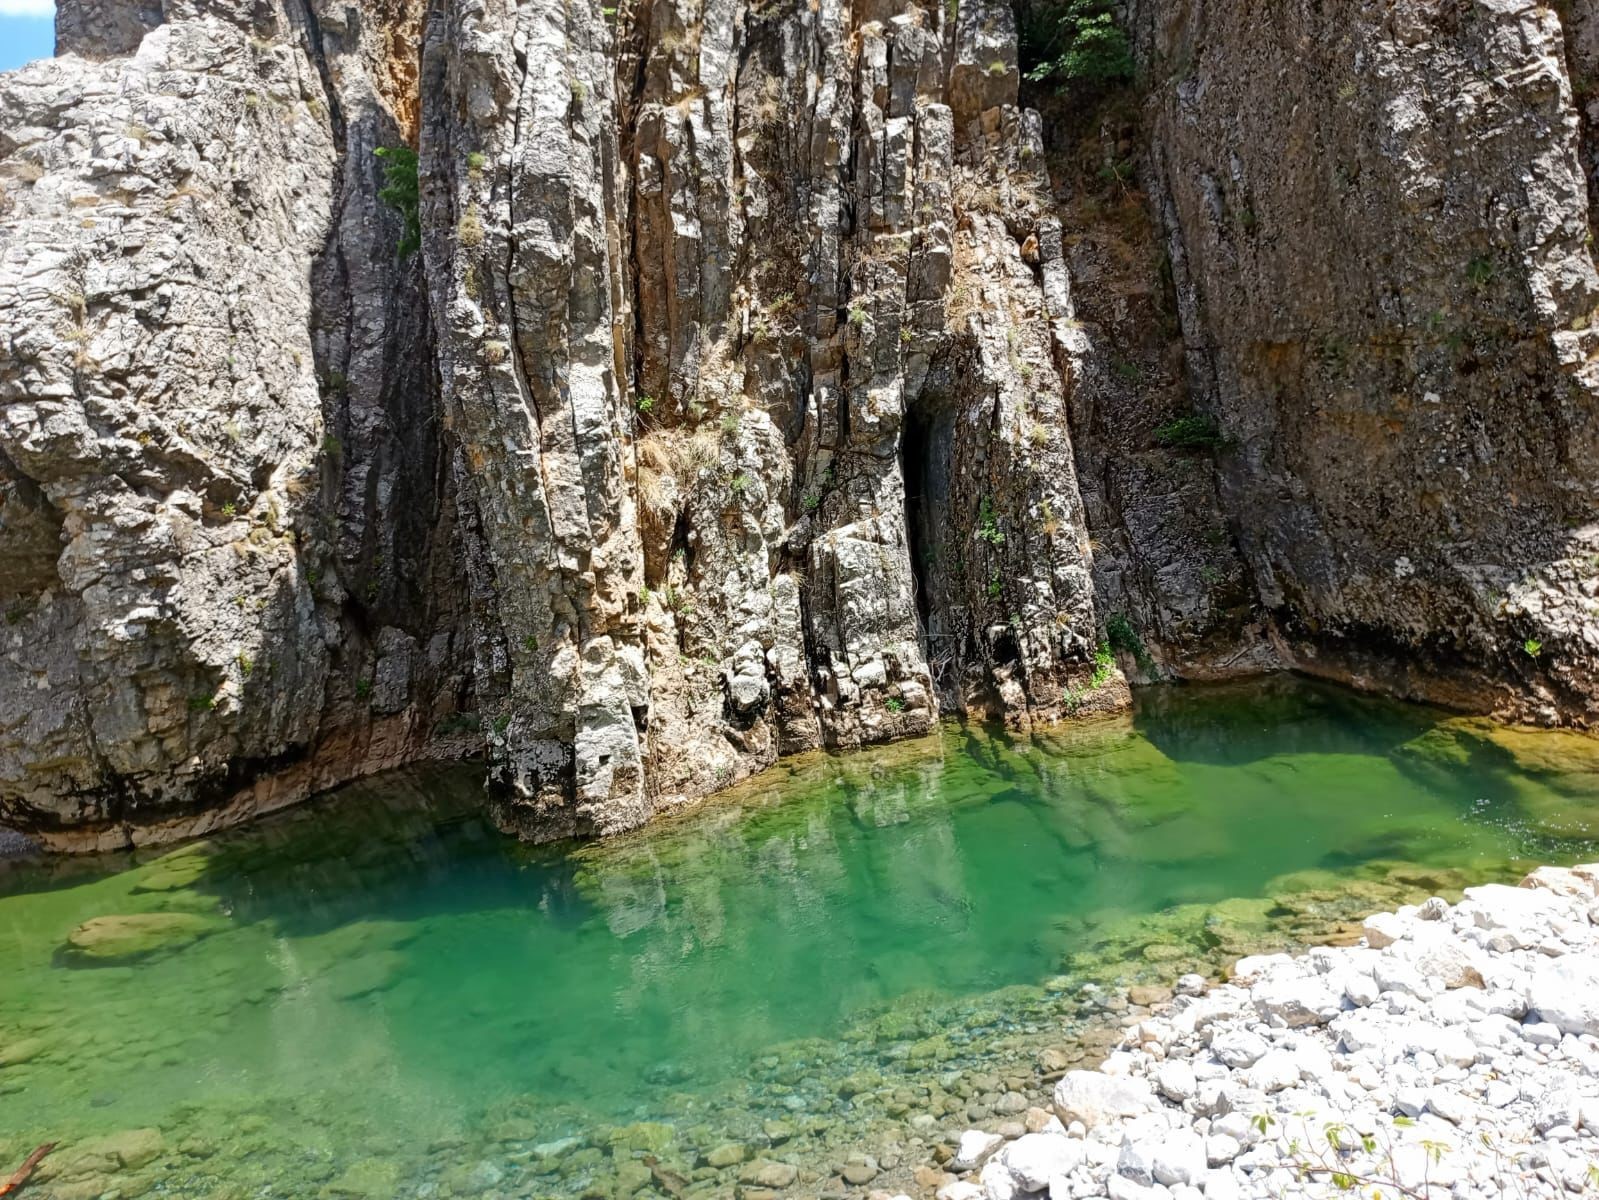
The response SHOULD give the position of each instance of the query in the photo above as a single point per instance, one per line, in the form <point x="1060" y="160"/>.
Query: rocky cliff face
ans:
<point x="1380" y="231"/>
<point x="766" y="378"/>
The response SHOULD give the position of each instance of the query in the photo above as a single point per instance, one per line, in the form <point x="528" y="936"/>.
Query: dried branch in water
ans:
<point x="26" y="1169"/>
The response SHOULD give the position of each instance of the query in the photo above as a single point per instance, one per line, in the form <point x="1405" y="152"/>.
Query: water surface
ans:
<point x="392" y="999"/>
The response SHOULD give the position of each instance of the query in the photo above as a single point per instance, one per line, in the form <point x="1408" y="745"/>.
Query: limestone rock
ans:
<point x="1093" y="1098"/>
<point x="115" y="940"/>
<point x="1564" y="992"/>
<point x="747" y="386"/>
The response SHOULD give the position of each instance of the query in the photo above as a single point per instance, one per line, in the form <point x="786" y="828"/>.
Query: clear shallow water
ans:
<point x="390" y="997"/>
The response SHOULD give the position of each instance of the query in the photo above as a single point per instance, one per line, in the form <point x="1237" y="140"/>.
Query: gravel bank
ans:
<point x="1453" y="1053"/>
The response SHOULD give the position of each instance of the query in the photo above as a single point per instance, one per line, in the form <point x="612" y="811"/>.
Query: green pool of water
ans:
<point x="379" y="995"/>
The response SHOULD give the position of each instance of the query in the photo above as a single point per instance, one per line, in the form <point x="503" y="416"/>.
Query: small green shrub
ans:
<point x="363" y="688"/>
<point x="857" y="315"/>
<point x="894" y="704"/>
<point x="645" y="404"/>
<point x="230" y="510"/>
<point x="200" y="704"/>
<point x="1481" y="271"/>
<point x="1532" y="647"/>
<point x="1123" y="638"/>
<point x="1087" y="48"/>
<point x="988" y="525"/>
<point x="401" y="192"/>
<point x="1104" y="666"/>
<point x="739" y="484"/>
<point x="1193" y="432"/>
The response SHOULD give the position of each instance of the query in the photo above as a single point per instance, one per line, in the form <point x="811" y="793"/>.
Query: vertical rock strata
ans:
<point x="753" y="388"/>
<point x="1380" y="229"/>
<point x="719" y="417"/>
<point x="701" y="277"/>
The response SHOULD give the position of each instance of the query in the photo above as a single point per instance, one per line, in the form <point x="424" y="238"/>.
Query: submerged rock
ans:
<point x="134" y="937"/>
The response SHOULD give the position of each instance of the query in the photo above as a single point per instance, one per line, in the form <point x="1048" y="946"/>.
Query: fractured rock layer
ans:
<point x="755" y="388"/>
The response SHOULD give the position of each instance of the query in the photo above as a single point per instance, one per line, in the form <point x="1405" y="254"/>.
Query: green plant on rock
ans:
<point x="988" y="525"/>
<point x="1104" y="666"/>
<point x="363" y="688"/>
<point x="645" y="404"/>
<point x="400" y="191"/>
<point x="1086" y="47"/>
<point x="1123" y="638"/>
<point x="894" y="704"/>
<point x="1532" y="648"/>
<point x="1192" y="432"/>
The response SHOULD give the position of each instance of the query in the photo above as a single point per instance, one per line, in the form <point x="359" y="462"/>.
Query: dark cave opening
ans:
<point x="926" y="455"/>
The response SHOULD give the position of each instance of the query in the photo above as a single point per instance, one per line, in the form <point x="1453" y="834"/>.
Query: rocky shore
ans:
<point x="1453" y="1053"/>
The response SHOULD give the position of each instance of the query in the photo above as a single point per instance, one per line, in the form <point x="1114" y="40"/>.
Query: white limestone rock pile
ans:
<point x="1454" y="1054"/>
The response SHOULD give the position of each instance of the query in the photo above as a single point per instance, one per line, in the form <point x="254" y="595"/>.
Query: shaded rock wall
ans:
<point x="1379" y="227"/>
<point x="768" y="378"/>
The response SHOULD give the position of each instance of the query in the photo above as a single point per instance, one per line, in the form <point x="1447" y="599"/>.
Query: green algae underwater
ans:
<point x="378" y="995"/>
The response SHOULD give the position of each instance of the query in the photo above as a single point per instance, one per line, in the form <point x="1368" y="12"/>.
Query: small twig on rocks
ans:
<point x="1341" y="1175"/>
<point x="26" y="1169"/>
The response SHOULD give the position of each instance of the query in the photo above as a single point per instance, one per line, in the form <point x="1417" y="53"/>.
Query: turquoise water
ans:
<point x="379" y="995"/>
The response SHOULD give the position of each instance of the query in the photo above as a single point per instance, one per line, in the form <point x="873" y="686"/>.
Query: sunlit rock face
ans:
<point x="753" y="386"/>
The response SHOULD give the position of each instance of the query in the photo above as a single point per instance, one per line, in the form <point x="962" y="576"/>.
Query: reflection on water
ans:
<point x="382" y="979"/>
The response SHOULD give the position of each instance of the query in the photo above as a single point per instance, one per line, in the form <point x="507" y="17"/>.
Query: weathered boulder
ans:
<point x="1094" y="1098"/>
<point x="1565" y="993"/>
